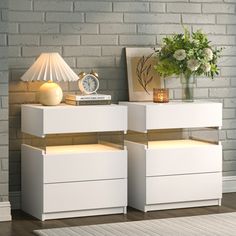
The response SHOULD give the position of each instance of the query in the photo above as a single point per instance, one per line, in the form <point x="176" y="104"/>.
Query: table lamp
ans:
<point x="52" y="68"/>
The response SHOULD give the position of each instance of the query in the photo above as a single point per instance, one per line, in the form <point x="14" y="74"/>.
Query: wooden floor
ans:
<point x="23" y="224"/>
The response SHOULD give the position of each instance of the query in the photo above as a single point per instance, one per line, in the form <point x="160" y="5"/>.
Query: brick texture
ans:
<point x="4" y="156"/>
<point x="93" y="34"/>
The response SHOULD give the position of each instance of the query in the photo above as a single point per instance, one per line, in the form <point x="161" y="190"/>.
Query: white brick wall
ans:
<point x="153" y="18"/>
<point x="21" y="5"/>
<point x="198" y="19"/>
<point x="218" y="8"/>
<point x="93" y="6"/>
<point x="25" y="16"/>
<point x="184" y="7"/>
<point x="157" y="7"/>
<point x="41" y="28"/>
<point x="83" y="51"/>
<point x="92" y="34"/>
<point x="23" y="40"/>
<point x="99" y="40"/>
<point x="64" y="17"/>
<point x="54" y="6"/>
<point x="78" y="28"/>
<point x="117" y="28"/>
<point x="131" y="6"/>
<point x="4" y="157"/>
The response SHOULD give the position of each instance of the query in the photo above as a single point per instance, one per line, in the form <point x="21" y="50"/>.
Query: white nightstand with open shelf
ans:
<point x="174" y="154"/>
<point x="78" y="179"/>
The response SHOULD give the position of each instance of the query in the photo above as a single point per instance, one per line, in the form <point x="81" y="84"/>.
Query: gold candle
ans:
<point x="160" y="95"/>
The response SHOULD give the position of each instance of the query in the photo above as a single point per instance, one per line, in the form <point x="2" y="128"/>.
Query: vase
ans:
<point x="188" y="84"/>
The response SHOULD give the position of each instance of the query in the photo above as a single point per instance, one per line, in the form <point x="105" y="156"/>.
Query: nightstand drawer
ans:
<point x="40" y="120"/>
<point x="85" y="166"/>
<point x="184" y="160"/>
<point x="143" y="116"/>
<point x="184" y="115"/>
<point x="181" y="188"/>
<point x="85" y="195"/>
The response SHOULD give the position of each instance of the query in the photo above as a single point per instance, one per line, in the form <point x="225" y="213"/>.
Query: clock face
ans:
<point x="88" y="84"/>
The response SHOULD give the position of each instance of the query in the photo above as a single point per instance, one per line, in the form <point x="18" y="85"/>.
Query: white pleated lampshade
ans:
<point x="50" y="66"/>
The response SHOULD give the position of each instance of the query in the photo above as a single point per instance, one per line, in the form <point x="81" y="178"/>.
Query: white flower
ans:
<point x="206" y="67"/>
<point x="208" y="54"/>
<point x="193" y="64"/>
<point x="180" y="54"/>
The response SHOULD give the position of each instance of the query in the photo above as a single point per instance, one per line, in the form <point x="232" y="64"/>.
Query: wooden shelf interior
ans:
<point x="183" y="143"/>
<point x="79" y="148"/>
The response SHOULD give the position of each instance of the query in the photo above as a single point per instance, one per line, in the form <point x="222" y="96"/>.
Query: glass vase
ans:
<point x="188" y="84"/>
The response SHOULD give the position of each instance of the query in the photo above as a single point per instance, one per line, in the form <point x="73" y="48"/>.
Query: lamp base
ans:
<point x="50" y="94"/>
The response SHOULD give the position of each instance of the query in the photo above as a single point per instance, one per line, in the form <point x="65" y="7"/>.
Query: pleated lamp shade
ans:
<point x="52" y="68"/>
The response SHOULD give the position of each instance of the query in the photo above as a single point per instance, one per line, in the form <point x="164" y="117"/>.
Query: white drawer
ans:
<point x="183" y="160"/>
<point x="85" y="195"/>
<point x="85" y="166"/>
<point x="143" y="116"/>
<point x="41" y="120"/>
<point x="181" y="188"/>
<point x="184" y="115"/>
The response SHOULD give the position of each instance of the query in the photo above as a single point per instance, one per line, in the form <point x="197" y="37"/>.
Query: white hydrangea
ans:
<point x="180" y="54"/>
<point x="208" y="54"/>
<point x="193" y="64"/>
<point x="206" y="67"/>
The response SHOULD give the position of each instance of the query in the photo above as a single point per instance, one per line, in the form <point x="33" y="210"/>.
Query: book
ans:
<point x="87" y="102"/>
<point x="89" y="97"/>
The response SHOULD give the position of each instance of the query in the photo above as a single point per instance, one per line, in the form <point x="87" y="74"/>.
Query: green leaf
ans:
<point x="194" y="45"/>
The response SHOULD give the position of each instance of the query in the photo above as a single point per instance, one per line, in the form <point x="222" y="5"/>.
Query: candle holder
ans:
<point x="161" y="95"/>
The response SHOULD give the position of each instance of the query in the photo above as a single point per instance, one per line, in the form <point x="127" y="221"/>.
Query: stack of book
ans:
<point x="91" y="99"/>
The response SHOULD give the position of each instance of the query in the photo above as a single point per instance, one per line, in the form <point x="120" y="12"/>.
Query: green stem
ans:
<point x="187" y="87"/>
<point x="187" y="91"/>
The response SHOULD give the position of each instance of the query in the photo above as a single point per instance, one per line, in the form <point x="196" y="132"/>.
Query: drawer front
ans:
<point x="184" y="115"/>
<point x="167" y="161"/>
<point x="74" y="119"/>
<point x="181" y="188"/>
<point x="85" y="195"/>
<point x="85" y="166"/>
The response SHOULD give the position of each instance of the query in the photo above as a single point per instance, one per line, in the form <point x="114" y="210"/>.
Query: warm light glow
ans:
<point x="50" y="94"/>
<point x="79" y="148"/>
<point x="177" y="143"/>
<point x="160" y="95"/>
<point x="50" y="66"/>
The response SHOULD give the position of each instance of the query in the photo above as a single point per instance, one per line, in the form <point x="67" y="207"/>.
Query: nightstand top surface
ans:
<point x="63" y="105"/>
<point x="171" y="103"/>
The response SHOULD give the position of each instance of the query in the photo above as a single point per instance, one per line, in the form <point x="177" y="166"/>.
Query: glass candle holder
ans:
<point x="160" y="95"/>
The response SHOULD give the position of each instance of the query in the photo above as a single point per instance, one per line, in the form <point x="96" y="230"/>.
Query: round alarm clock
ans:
<point x="88" y="83"/>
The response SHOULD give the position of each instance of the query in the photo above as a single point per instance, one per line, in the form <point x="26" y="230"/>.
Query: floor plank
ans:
<point x="23" y="224"/>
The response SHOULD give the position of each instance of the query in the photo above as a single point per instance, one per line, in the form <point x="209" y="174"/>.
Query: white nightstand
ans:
<point x="73" y="180"/>
<point x="182" y="170"/>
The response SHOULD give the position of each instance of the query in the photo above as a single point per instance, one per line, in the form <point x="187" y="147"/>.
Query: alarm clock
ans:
<point x="88" y="83"/>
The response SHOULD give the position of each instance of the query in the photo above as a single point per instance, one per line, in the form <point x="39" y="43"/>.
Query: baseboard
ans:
<point x="5" y="211"/>
<point x="15" y="200"/>
<point x="229" y="184"/>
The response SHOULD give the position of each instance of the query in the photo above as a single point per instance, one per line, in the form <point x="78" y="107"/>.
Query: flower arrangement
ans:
<point x="187" y="54"/>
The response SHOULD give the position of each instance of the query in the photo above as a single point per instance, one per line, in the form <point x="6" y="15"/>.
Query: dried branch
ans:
<point x="143" y="70"/>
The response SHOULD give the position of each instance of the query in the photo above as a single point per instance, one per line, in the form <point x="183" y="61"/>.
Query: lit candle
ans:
<point x="160" y="95"/>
